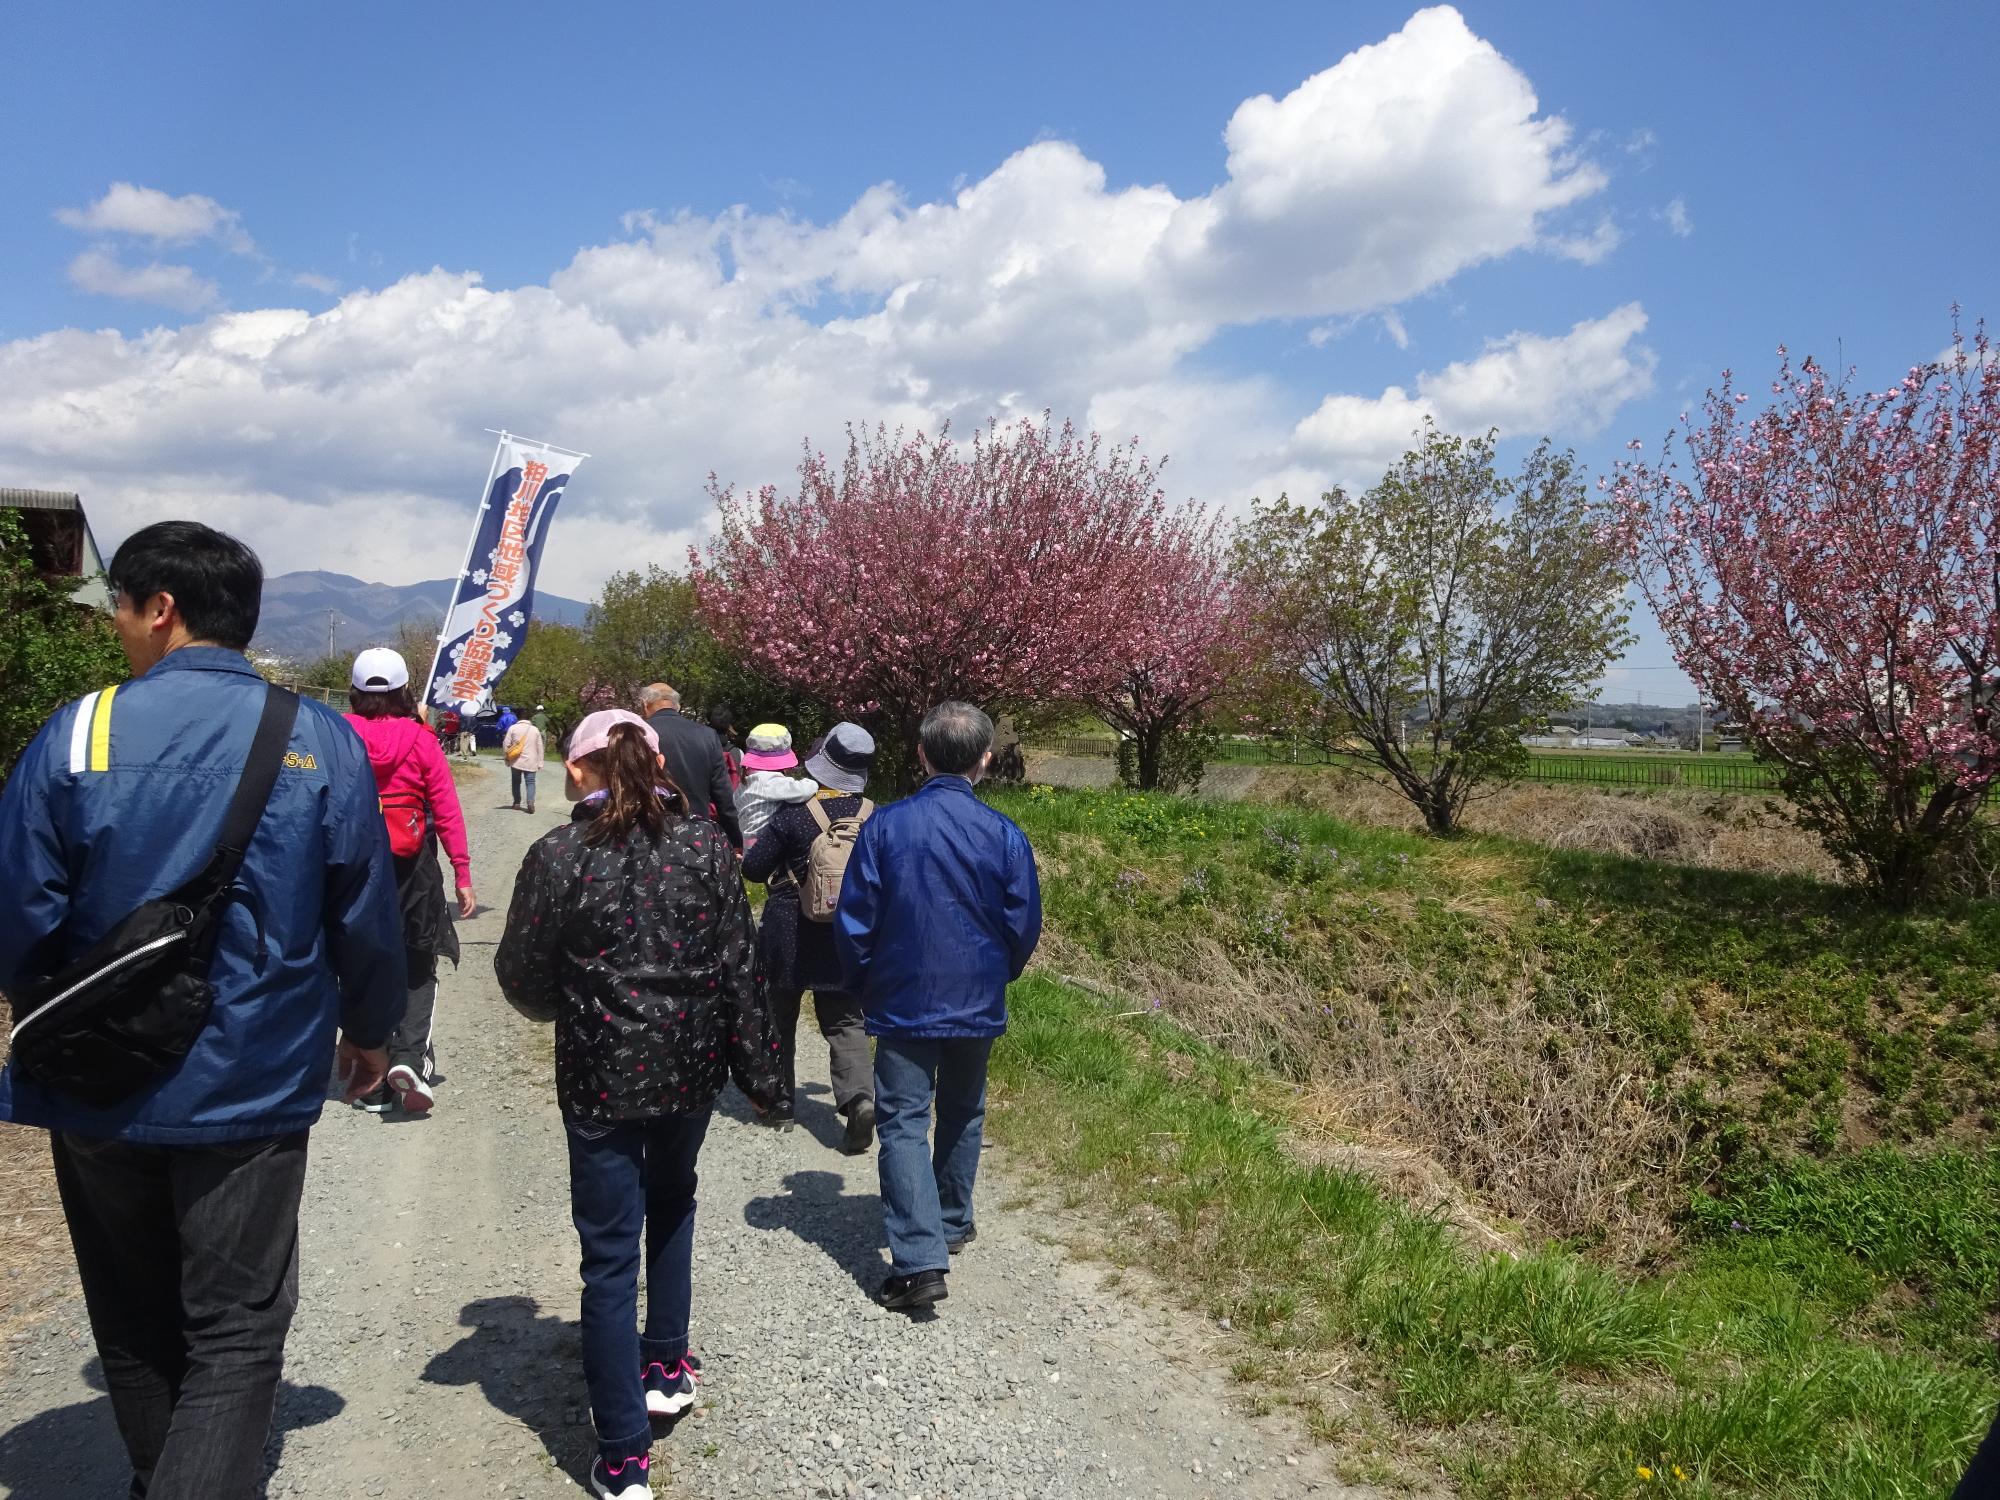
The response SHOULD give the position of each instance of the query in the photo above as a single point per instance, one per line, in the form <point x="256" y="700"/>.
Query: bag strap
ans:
<point x="819" y="815"/>
<point x="253" y="788"/>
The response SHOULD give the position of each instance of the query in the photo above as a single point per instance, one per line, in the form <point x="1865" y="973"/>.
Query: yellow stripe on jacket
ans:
<point x="100" y="730"/>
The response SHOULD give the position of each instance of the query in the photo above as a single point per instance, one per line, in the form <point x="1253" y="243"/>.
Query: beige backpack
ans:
<point x="826" y="861"/>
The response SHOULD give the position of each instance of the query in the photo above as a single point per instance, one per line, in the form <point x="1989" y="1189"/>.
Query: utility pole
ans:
<point x="331" y="617"/>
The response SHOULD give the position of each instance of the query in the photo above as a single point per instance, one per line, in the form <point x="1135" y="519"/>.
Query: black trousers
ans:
<point x="849" y="1064"/>
<point x="411" y="1042"/>
<point x="189" y="1258"/>
<point x="1982" y="1479"/>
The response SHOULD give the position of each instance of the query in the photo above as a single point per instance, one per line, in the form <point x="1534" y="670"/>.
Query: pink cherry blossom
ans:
<point x="1012" y="569"/>
<point x="1829" y="572"/>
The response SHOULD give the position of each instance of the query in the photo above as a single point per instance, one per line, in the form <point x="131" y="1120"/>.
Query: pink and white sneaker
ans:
<point x="670" y="1389"/>
<point x="629" y="1479"/>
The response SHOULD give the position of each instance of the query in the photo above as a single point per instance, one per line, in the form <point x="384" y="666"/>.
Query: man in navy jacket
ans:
<point x="940" y="910"/>
<point x="183" y="1199"/>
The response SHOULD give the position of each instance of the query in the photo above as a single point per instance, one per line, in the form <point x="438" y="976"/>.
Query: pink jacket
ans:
<point x="405" y="757"/>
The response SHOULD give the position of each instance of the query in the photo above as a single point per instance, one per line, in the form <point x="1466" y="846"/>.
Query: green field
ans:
<point x="1737" y="1131"/>
<point x="1647" y="768"/>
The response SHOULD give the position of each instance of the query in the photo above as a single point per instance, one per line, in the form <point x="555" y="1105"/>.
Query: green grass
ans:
<point x="1793" y="1015"/>
<point x="1817" y="1321"/>
<point x="1538" y="1376"/>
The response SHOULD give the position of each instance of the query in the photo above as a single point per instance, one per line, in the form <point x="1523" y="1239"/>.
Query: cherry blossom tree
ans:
<point x="1829" y="570"/>
<point x="1192" y="643"/>
<point x="1009" y="570"/>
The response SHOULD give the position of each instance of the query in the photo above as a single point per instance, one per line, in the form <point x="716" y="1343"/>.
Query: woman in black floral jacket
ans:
<point x="631" y="931"/>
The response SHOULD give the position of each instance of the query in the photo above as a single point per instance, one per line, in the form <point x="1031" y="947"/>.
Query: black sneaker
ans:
<point x="860" y="1127"/>
<point x="628" y="1480"/>
<point x="779" y="1119"/>
<point x="954" y="1246"/>
<point x="378" y="1103"/>
<point x="907" y="1293"/>
<point x="670" y="1389"/>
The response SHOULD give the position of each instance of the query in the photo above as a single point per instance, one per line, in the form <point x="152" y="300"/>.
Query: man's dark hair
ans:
<point x="954" y="736"/>
<point x="722" y="718"/>
<point x="216" y="581"/>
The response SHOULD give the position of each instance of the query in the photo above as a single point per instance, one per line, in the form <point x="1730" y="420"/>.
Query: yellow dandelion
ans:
<point x="1645" y="1473"/>
<point x="1680" y="1473"/>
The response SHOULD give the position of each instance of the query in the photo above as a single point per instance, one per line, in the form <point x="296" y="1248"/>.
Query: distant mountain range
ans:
<point x="300" y="609"/>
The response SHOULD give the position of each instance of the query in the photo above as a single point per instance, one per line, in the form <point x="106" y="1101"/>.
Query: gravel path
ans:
<point x="436" y="1353"/>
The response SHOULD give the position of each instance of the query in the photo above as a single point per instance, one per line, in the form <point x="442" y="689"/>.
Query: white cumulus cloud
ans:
<point x="179" y="287"/>
<point x="147" y="213"/>
<point x="1566" y="385"/>
<point x="690" y="342"/>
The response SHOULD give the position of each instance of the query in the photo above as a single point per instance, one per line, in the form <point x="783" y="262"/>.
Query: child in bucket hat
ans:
<point x="767" y="757"/>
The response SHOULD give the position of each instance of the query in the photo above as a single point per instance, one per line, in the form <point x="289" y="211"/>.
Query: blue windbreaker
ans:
<point x="120" y="799"/>
<point x="939" y="911"/>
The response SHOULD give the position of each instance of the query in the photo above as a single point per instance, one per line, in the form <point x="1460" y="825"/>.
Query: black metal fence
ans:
<point x="1715" y="773"/>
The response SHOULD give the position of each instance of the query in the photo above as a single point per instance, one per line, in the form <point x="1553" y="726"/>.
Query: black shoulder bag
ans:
<point x="130" y="1007"/>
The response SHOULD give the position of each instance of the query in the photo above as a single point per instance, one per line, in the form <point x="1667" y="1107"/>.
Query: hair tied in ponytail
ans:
<point x="630" y="769"/>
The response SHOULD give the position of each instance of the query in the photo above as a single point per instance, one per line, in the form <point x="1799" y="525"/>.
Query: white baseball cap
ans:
<point x="380" y="670"/>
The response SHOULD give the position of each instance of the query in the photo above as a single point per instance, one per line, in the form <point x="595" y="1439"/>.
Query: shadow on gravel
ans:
<point x="816" y="1119"/>
<point x="76" y="1450"/>
<point x="848" y="1228"/>
<point x="529" y="1366"/>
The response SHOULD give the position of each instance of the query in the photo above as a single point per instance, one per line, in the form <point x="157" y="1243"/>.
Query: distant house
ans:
<point x="60" y="540"/>
<point x="1561" y="737"/>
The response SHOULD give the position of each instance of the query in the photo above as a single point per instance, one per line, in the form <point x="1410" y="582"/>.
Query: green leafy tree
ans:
<point x="51" y="648"/>
<point x="1428" y="618"/>
<point x="645" y="628"/>
<point x="558" y="668"/>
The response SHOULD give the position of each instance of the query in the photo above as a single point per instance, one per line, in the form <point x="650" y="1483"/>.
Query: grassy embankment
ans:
<point x="1719" y="1208"/>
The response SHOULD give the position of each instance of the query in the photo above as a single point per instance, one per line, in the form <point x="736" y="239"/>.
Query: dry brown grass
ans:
<point x="35" y="1267"/>
<point x="1684" y="827"/>
<point x="1471" y="1104"/>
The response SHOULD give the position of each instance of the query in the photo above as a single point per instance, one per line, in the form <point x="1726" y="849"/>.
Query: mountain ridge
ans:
<point x="294" y="621"/>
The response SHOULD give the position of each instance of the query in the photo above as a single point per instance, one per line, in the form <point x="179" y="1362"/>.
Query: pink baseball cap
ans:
<point x="594" y="733"/>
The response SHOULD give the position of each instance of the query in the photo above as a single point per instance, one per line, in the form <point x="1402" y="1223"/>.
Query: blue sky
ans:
<point x="281" y="331"/>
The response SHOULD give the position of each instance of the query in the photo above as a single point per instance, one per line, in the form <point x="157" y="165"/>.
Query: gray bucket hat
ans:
<point x="844" y="760"/>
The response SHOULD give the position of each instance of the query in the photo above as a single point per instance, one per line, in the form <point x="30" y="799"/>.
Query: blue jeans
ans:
<point x="622" y="1178"/>
<point x="521" y="776"/>
<point x="926" y="1191"/>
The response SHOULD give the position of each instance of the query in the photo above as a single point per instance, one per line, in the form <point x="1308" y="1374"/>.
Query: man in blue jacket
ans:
<point x="183" y="1199"/>
<point x="939" y="912"/>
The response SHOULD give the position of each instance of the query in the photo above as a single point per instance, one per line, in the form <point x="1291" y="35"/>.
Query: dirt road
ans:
<point x="435" y="1351"/>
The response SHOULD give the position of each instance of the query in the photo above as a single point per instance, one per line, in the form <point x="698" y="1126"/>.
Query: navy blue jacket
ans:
<point x="940" y="910"/>
<point x="120" y="799"/>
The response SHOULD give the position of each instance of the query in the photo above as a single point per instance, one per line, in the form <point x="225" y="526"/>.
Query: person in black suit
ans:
<point x="694" y="758"/>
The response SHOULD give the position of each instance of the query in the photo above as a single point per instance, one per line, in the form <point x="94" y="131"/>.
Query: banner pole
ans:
<point x="465" y="567"/>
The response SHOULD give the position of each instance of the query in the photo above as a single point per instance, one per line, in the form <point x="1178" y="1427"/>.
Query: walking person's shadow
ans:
<point x="816" y="1208"/>
<point x="76" y="1449"/>
<point x="530" y="1366"/>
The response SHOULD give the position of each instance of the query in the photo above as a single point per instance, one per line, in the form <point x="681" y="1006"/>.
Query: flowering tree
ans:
<point x="1191" y="642"/>
<point x="1010" y="570"/>
<point x="1829" y="570"/>
<point x="1422" y="625"/>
